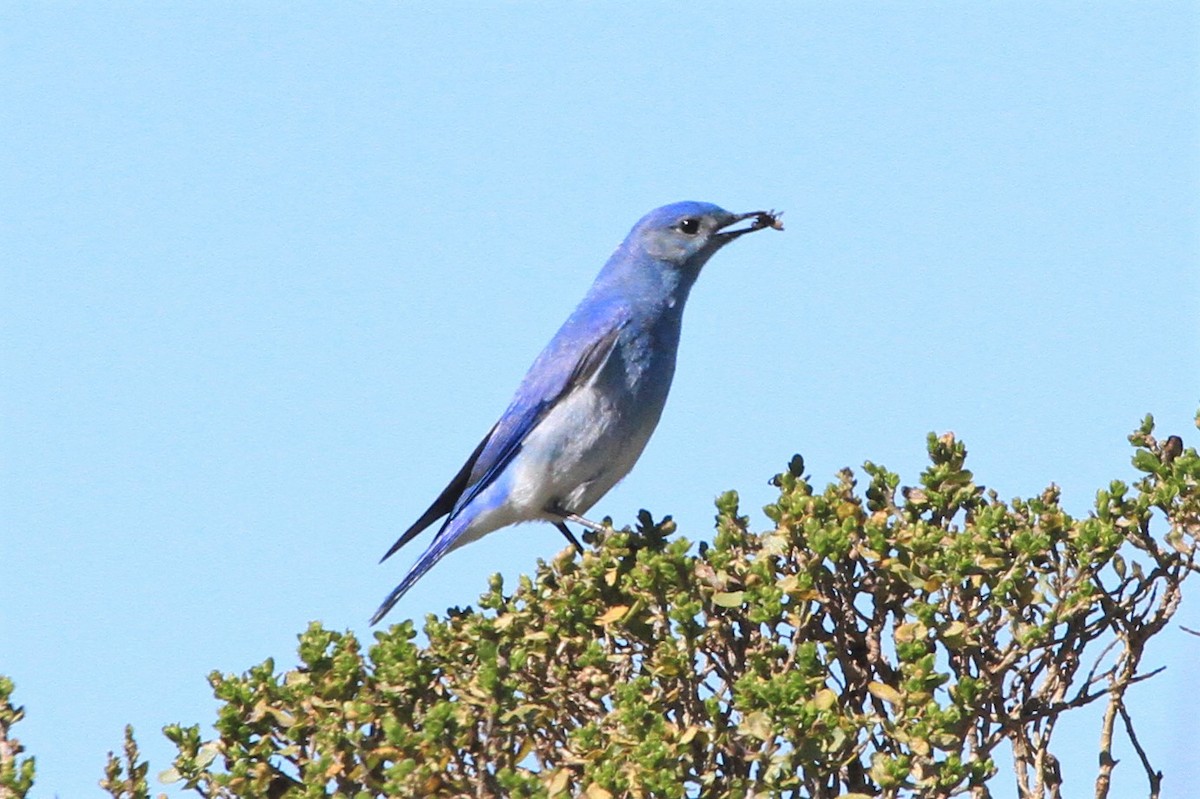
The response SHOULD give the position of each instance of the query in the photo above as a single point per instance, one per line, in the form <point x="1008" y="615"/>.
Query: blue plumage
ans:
<point x="586" y="408"/>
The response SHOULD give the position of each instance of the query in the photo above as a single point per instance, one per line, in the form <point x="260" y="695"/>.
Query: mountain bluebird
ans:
<point x="589" y="403"/>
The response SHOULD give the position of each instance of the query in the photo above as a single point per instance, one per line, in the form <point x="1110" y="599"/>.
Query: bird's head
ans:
<point x="686" y="234"/>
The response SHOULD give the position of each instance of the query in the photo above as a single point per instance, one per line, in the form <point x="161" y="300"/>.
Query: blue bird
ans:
<point x="588" y="405"/>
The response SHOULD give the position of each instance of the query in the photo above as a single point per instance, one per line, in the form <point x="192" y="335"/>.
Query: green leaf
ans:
<point x="757" y="724"/>
<point x="207" y="754"/>
<point x="824" y="699"/>
<point x="886" y="692"/>
<point x="1145" y="461"/>
<point x="731" y="599"/>
<point x="613" y="614"/>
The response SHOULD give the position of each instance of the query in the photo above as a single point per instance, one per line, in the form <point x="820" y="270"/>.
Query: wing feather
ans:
<point x="534" y="399"/>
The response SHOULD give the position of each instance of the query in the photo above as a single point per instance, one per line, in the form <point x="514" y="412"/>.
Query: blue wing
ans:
<point x="570" y="360"/>
<point x="575" y="354"/>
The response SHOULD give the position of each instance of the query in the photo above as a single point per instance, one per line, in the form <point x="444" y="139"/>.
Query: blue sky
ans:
<point x="269" y="273"/>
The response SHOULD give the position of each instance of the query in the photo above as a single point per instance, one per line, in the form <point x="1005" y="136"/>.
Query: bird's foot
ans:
<point x="589" y="524"/>
<point x="565" y="516"/>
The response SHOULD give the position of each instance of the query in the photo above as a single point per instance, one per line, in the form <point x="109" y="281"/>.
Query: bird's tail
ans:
<point x="442" y="543"/>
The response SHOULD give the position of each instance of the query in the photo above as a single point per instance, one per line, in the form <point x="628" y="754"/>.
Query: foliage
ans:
<point x="885" y="642"/>
<point x="126" y="778"/>
<point x="16" y="772"/>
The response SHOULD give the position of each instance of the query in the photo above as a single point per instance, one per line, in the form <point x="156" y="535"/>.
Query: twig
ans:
<point x="1155" y="777"/>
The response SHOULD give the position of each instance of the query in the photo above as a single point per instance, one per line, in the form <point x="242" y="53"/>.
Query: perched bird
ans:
<point x="588" y="405"/>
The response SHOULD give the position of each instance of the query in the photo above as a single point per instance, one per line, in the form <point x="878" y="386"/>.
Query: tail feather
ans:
<point x="442" y="543"/>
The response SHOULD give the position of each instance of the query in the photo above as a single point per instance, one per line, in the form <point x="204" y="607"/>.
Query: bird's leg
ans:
<point x="562" y="528"/>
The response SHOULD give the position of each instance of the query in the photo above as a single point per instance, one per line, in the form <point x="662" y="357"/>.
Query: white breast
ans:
<point x="583" y="446"/>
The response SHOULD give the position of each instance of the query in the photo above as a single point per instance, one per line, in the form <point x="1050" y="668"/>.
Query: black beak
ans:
<point x="762" y="220"/>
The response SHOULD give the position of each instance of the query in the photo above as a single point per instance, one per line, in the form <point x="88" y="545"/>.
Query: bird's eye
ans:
<point x="689" y="226"/>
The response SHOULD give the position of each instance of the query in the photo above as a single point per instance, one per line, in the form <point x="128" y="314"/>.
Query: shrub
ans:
<point x="877" y="641"/>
